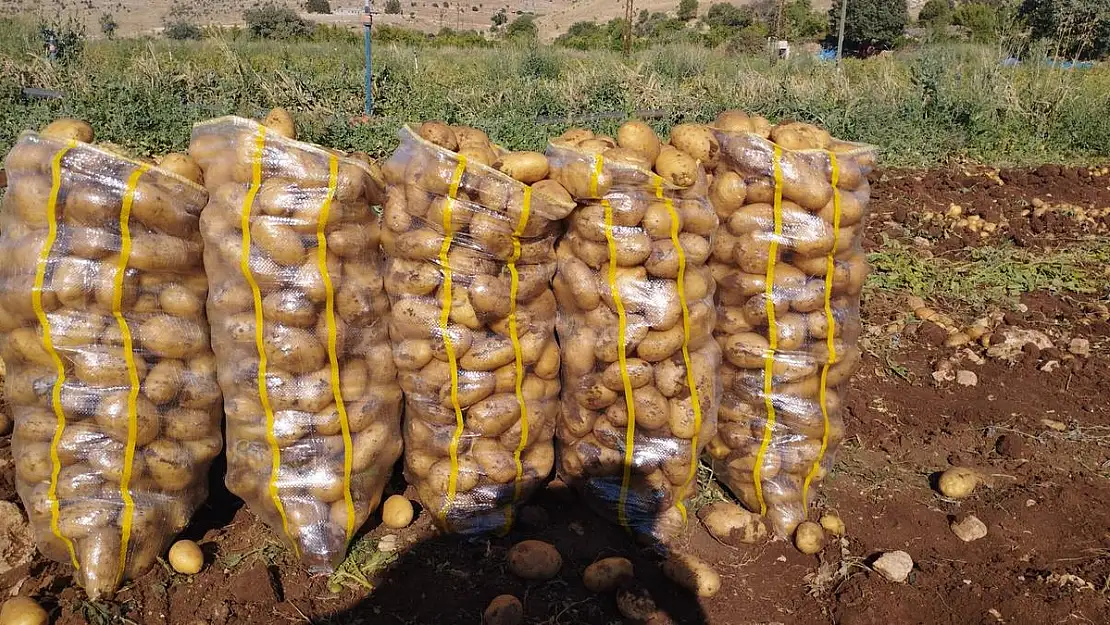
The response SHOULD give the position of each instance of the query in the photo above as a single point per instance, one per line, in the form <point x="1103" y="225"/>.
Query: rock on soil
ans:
<point x="894" y="565"/>
<point x="966" y="378"/>
<point x="17" y="545"/>
<point x="969" y="528"/>
<point x="1013" y="340"/>
<point x="1080" y="347"/>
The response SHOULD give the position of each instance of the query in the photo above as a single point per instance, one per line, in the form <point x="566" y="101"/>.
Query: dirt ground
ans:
<point x="1037" y="429"/>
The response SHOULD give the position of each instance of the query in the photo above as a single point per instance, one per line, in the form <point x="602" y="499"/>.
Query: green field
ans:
<point x="923" y="106"/>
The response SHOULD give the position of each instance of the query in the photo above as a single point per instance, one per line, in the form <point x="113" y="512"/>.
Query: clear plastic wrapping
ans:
<point x="635" y="324"/>
<point x="471" y="253"/>
<point x="789" y="269"/>
<point x="110" y="376"/>
<point x="300" y="330"/>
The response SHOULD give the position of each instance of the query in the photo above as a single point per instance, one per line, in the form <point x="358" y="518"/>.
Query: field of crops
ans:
<point x="990" y="210"/>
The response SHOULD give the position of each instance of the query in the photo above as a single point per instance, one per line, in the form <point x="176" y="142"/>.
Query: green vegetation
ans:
<point x="318" y="6"/>
<point x="276" y="21"/>
<point x="1079" y="28"/>
<point x="923" y="107"/>
<point x="870" y="25"/>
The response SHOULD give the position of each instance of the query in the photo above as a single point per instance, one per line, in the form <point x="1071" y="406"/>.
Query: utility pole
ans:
<point x="776" y="32"/>
<point x="367" y="24"/>
<point x="628" y="27"/>
<point x="840" y="36"/>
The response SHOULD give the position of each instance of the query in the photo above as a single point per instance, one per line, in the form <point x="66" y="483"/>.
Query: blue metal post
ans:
<point x="368" y="22"/>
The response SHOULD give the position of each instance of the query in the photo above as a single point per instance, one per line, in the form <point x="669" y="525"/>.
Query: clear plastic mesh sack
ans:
<point x="635" y="325"/>
<point x="471" y="253"/>
<point x="110" y="376"/>
<point x="789" y="269"/>
<point x="300" y="330"/>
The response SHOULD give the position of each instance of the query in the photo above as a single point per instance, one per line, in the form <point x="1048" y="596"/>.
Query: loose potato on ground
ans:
<point x="397" y="512"/>
<point x="809" y="538"/>
<point x="186" y="557"/>
<point x="957" y="482"/>
<point x="608" y="574"/>
<point x="693" y="574"/>
<point x="732" y="525"/>
<point x="534" y="560"/>
<point x="23" y="611"/>
<point x="504" y="610"/>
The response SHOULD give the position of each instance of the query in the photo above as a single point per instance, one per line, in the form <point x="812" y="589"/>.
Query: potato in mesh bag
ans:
<point x="635" y="322"/>
<point x="300" y="330"/>
<point x="789" y="269"/>
<point x="110" y="376"/>
<point x="469" y="232"/>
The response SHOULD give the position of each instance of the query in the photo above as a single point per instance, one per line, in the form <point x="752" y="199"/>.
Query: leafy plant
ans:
<point x="276" y="21"/>
<point x="108" y="25"/>
<point x="393" y="7"/>
<point x="687" y="10"/>
<point x="318" y="6"/>
<point x="870" y="25"/>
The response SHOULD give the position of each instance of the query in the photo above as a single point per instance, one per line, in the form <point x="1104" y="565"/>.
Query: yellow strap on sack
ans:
<point x="622" y="359"/>
<point x="830" y="320"/>
<point x="48" y="342"/>
<point x="518" y="355"/>
<point x="448" y="344"/>
<point x="127" y="520"/>
<point x="333" y="338"/>
<point x="695" y="399"/>
<point x="772" y="335"/>
<point x="259" y="329"/>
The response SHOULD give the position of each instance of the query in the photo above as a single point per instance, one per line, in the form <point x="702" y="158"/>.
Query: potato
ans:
<point x="182" y="165"/>
<point x="534" y="560"/>
<point x="640" y="138"/>
<point x="281" y="122"/>
<point x="442" y="135"/>
<point x="397" y="512"/>
<point x="635" y="603"/>
<point x="608" y="574"/>
<point x="832" y="524"/>
<point x="739" y="121"/>
<point x="676" y="167"/>
<point x="23" y="611"/>
<point x="809" y="538"/>
<point x="957" y="482"/>
<point x="799" y="136"/>
<point x="692" y="573"/>
<point x="697" y="141"/>
<point x="504" y="610"/>
<point x="69" y="129"/>
<point x="527" y="167"/>
<point x="186" y="557"/>
<point x="732" y="525"/>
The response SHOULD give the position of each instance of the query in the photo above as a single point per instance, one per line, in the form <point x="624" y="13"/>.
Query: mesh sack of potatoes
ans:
<point x="789" y="269"/>
<point x="110" y="376"/>
<point x="300" y="329"/>
<point x="635" y="323"/>
<point x="469" y="232"/>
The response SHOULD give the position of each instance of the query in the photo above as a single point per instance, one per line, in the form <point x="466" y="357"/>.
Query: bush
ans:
<point x="687" y="10"/>
<point x="1075" y="27"/>
<point x="318" y="6"/>
<point x="276" y="21"/>
<point x="523" y="28"/>
<point x="981" y="19"/>
<point x="936" y="13"/>
<point x="870" y="25"/>
<point x="108" y="25"/>
<point x="393" y="7"/>
<point x="802" y="23"/>
<point x="181" y="30"/>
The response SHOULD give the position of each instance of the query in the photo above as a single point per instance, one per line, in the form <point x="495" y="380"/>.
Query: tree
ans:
<point x="981" y="19"/>
<point x="936" y="13"/>
<point x="1079" y="28"/>
<point x="728" y="15"/>
<point x="523" y="28"/>
<point x="393" y="7"/>
<point x="318" y="6"/>
<point x="499" y="19"/>
<point x="108" y="25"/>
<point x="870" y="25"/>
<point x="182" y="30"/>
<point x="801" y="22"/>
<point x="274" y="21"/>
<point x="687" y="10"/>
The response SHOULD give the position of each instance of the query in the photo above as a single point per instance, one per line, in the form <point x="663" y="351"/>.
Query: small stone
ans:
<point x="1080" y="347"/>
<point x="1010" y="446"/>
<point x="1050" y="366"/>
<point x="944" y="376"/>
<point x="969" y="528"/>
<point x="1008" y="343"/>
<point x="1053" y="424"/>
<point x="1029" y="503"/>
<point x="388" y="543"/>
<point x="894" y="565"/>
<point x="966" y="378"/>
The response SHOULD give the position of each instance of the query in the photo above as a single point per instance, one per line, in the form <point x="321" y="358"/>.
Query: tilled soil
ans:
<point x="1037" y="430"/>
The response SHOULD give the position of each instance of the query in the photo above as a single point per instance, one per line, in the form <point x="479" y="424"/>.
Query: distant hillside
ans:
<point x="554" y="16"/>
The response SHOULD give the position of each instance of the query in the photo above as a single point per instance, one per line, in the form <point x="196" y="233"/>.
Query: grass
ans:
<point x="991" y="275"/>
<point x="923" y="107"/>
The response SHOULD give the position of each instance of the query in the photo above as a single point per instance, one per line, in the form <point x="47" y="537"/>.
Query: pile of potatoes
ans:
<point x="466" y="223"/>
<point x="110" y="376"/>
<point x="631" y="429"/>
<point x="773" y="450"/>
<point x="300" y="329"/>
